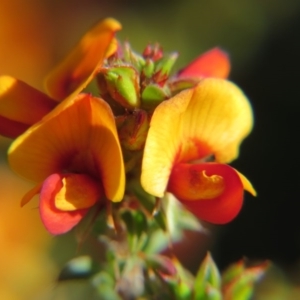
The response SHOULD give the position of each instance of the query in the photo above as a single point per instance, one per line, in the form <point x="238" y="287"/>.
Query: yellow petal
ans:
<point x="247" y="184"/>
<point x="21" y="102"/>
<point x="78" y="136"/>
<point x="78" y="68"/>
<point x="78" y="191"/>
<point x="212" y="118"/>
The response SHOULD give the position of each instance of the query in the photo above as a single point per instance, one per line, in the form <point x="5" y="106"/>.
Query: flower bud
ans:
<point x="133" y="58"/>
<point x="133" y="131"/>
<point x="163" y="264"/>
<point x="154" y="52"/>
<point x="179" y="84"/>
<point x="153" y="95"/>
<point x="123" y="85"/>
<point x="164" y="66"/>
<point x="148" y="68"/>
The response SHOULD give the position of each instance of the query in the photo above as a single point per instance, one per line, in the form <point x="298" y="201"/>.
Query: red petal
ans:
<point x="55" y="220"/>
<point x="218" y="210"/>
<point x="213" y="63"/>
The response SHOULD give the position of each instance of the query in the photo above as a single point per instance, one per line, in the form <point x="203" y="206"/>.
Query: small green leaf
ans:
<point x="148" y="201"/>
<point x="239" y="281"/>
<point x="232" y="272"/>
<point x="136" y="222"/>
<point x="182" y="287"/>
<point x="207" y="277"/>
<point x="105" y="285"/>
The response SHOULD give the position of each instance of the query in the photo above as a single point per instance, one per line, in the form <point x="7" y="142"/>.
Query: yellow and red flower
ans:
<point x="74" y="156"/>
<point x="22" y="105"/>
<point x="202" y="124"/>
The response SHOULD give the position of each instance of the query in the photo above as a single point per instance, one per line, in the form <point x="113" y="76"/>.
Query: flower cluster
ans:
<point x="173" y="133"/>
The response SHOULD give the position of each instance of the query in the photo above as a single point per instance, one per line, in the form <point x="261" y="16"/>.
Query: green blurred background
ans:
<point x="263" y="40"/>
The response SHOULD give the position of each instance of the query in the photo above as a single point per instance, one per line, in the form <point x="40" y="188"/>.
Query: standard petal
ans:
<point x="55" y="220"/>
<point x="78" y="136"/>
<point x="213" y="63"/>
<point x="78" y="68"/>
<point x="22" y="103"/>
<point x="220" y="200"/>
<point x="211" y="119"/>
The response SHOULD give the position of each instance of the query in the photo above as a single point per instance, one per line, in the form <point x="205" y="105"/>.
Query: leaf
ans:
<point x="207" y="280"/>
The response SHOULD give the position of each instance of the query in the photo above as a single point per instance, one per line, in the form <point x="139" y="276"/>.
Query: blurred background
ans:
<point x="262" y="38"/>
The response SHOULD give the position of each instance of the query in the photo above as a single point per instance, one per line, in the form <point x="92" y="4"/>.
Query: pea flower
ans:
<point x="74" y="156"/>
<point x="22" y="105"/>
<point x="204" y="123"/>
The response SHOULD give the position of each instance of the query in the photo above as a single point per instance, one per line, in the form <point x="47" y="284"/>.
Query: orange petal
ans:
<point x="211" y="119"/>
<point x="74" y="73"/>
<point x="213" y="63"/>
<point x="11" y="129"/>
<point x="55" y="220"/>
<point x="219" y="199"/>
<point x="22" y="103"/>
<point x="78" y="136"/>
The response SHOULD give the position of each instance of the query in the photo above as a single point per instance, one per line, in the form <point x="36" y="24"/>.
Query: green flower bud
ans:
<point x="163" y="264"/>
<point x="123" y="85"/>
<point x="164" y="66"/>
<point x="153" y="95"/>
<point x="178" y="85"/>
<point x="148" y="68"/>
<point x="133" y="131"/>
<point x="133" y="58"/>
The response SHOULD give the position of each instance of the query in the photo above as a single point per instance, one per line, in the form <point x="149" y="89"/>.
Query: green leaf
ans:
<point x="105" y="285"/>
<point x="148" y="201"/>
<point x="239" y="281"/>
<point x="207" y="278"/>
<point x="233" y="272"/>
<point x="136" y="224"/>
<point x="182" y="287"/>
<point x="178" y="217"/>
